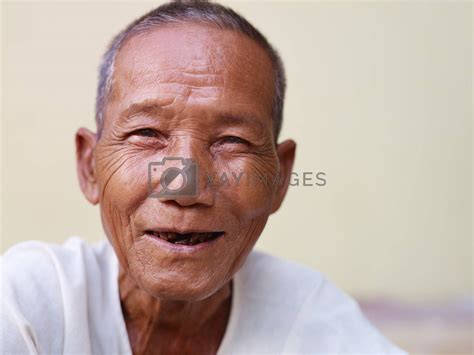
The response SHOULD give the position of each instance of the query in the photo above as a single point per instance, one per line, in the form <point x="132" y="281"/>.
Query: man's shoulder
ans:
<point x="266" y="271"/>
<point x="40" y="260"/>
<point x="40" y="269"/>
<point x="311" y="313"/>
<point x="39" y="278"/>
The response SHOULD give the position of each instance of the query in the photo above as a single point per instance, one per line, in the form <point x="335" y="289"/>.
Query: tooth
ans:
<point x="186" y="238"/>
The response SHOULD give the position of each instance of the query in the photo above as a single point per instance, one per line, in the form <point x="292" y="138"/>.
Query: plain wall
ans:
<point x="379" y="98"/>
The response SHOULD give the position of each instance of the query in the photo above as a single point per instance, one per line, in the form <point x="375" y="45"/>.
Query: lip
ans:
<point x="183" y="231"/>
<point x="181" y="248"/>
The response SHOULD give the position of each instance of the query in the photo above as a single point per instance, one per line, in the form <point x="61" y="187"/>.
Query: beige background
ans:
<point x="379" y="98"/>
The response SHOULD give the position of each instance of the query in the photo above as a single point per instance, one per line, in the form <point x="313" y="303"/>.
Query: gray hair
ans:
<point x="185" y="11"/>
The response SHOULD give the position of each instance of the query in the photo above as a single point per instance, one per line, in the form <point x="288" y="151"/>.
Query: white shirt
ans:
<point x="64" y="299"/>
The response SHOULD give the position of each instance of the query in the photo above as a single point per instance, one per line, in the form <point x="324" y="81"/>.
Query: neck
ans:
<point x="149" y="318"/>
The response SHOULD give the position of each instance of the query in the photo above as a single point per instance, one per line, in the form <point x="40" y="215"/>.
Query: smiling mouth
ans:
<point x="191" y="238"/>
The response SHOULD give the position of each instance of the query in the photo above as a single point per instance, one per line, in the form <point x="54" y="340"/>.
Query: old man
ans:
<point x="189" y="90"/>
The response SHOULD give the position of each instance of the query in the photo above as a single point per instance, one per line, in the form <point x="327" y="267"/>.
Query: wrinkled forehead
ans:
<point x="206" y="65"/>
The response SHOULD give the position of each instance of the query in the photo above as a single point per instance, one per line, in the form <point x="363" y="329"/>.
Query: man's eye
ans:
<point x="146" y="132"/>
<point x="233" y="140"/>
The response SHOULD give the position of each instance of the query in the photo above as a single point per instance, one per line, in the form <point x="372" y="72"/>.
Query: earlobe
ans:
<point x="286" y="156"/>
<point x="85" y="162"/>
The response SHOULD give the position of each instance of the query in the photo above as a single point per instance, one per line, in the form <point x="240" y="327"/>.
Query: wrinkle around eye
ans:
<point x="145" y="132"/>
<point x="234" y="140"/>
<point x="146" y="138"/>
<point x="115" y="169"/>
<point x="146" y="142"/>
<point x="261" y="149"/>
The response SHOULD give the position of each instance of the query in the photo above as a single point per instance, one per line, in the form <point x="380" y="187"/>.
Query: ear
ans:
<point x="85" y="144"/>
<point x="286" y="156"/>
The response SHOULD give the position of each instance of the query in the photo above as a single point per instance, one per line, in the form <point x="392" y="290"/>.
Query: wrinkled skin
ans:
<point x="200" y="93"/>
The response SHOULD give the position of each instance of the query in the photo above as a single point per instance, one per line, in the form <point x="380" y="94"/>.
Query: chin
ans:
<point x="179" y="286"/>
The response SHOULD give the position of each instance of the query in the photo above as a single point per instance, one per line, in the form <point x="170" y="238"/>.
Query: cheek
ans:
<point x="248" y="186"/>
<point x="245" y="238"/>
<point x="123" y="182"/>
<point x="123" y="187"/>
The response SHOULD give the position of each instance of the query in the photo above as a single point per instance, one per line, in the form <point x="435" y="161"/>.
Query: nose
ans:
<point x="193" y="175"/>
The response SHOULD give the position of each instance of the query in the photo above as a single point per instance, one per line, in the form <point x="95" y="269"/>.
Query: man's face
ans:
<point x="194" y="92"/>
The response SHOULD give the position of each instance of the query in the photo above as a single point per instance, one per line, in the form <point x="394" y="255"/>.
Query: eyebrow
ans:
<point x="241" y="119"/>
<point x="153" y="108"/>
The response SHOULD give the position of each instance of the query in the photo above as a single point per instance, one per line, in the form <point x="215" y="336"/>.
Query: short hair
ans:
<point x="189" y="11"/>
